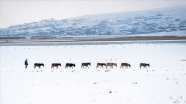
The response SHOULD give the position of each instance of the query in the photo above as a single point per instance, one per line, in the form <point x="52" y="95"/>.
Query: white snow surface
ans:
<point x="164" y="82"/>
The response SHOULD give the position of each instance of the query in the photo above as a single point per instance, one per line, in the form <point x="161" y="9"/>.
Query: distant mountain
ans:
<point x="165" y="21"/>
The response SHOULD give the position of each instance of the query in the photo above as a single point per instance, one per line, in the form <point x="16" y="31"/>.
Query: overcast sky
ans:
<point x="13" y="12"/>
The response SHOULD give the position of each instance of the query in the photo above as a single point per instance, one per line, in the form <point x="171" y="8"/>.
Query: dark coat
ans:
<point x="26" y="62"/>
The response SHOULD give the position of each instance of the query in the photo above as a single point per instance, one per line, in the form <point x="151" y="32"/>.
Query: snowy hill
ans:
<point x="165" y="21"/>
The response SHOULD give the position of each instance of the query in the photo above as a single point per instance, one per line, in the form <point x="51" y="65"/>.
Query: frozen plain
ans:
<point x="164" y="82"/>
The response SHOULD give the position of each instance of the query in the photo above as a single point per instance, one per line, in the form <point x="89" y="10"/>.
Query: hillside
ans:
<point x="164" y="21"/>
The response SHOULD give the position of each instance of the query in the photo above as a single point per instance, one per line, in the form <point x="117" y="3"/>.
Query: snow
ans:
<point x="164" y="82"/>
<point x="167" y="20"/>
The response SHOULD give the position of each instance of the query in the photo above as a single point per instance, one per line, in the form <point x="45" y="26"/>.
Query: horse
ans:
<point x="144" y="65"/>
<point x="100" y="65"/>
<point x="126" y="65"/>
<point x="38" y="65"/>
<point x="111" y="65"/>
<point x="55" y="65"/>
<point x="70" y="65"/>
<point x="86" y="65"/>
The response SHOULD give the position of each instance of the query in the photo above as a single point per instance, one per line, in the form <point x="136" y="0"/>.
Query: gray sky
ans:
<point x="13" y="12"/>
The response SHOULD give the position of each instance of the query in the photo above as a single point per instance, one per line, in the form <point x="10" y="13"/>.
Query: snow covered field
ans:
<point x="164" y="82"/>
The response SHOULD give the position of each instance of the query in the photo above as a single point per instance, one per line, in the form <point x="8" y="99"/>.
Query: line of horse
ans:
<point x="88" y="64"/>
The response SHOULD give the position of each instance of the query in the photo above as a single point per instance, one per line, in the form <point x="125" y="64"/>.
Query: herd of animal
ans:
<point x="86" y="65"/>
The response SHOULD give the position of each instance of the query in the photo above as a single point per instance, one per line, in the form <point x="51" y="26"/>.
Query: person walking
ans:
<point x="26" y="63"/>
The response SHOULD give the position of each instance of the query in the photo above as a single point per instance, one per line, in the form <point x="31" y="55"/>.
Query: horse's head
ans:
<point x="115" y="64"/>
<point x="129" y="65"/>
<point x="148" y="65"/>
<point x="42" y="64"/>
<point x="59" y="64"/>
<point x="74" y="65"/>
<point x="89" y="63"/>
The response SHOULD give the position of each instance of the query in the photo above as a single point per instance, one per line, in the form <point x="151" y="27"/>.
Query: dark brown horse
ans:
<point x="55" y="65"/>
<point x="38" y="65"/>
<point x="85" y="65"/>
<point x="70" y="65"/>
<point x="126" y="65"/>
<point x="144" y="65"/>
<point x="100" y="65"/>
<point x="111" y="65"/>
